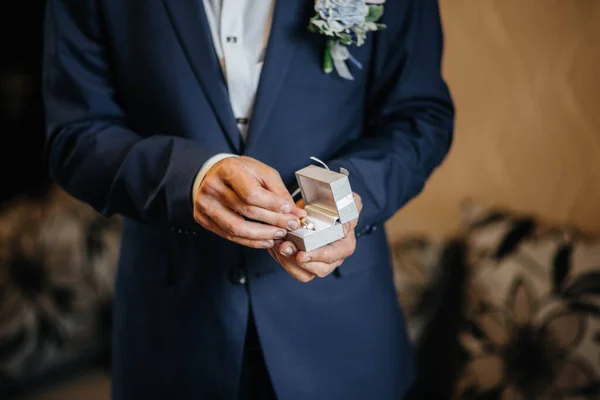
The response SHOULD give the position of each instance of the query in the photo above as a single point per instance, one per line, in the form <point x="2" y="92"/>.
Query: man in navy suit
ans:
<point x="189" y="118"/>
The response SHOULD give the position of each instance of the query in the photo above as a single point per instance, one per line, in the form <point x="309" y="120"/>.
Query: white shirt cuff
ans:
<point x="205" y="168"/>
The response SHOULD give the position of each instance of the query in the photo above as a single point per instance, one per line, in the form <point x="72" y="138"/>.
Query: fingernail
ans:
<point x="306" y="259"/>
<point x="288" y="251"/>
<point x="286" y="208"/>
<point x="267" y="245"/>
<point x="292" y="224"/>
<point x="280" y="234"/>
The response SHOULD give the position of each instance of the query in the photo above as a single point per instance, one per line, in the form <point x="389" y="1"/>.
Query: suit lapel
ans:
<point x="189" y="21"/>
<point x="280" y="49"/>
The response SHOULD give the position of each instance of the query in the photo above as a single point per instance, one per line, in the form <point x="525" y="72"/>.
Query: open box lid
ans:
<point x="328" y="191"/>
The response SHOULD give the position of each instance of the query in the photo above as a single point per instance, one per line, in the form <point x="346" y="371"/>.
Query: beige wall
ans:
<point x="525" y="76"/>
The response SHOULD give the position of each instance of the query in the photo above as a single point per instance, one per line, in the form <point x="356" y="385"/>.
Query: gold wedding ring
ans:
<point x="307" y="224"/>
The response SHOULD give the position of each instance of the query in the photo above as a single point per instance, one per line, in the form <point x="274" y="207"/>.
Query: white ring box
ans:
<point x="329" y="202"/>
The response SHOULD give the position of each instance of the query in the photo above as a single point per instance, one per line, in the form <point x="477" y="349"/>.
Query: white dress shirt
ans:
<point x="240" y="31"/>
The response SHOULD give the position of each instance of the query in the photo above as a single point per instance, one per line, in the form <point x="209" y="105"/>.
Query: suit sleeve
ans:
<point x="91" y="152"/>
<point x="410" y="114"/>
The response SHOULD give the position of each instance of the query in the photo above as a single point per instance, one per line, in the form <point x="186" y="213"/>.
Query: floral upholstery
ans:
<point x="57" y="264"/>
<point x="533" y="311"/>
<point x="530" y="323"/>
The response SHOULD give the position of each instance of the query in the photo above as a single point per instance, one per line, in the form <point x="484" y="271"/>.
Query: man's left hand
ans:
<point x="305" y="266"/>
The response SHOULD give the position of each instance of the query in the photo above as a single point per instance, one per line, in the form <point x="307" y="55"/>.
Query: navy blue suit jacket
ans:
<point x="136" y="103"/>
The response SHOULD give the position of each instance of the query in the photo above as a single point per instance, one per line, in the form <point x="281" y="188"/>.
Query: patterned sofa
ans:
<point x="509" y="309"/>
<point x="57" y="261"/>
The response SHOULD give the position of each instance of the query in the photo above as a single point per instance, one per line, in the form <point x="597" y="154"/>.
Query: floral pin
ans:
<point x="344" y="23"/>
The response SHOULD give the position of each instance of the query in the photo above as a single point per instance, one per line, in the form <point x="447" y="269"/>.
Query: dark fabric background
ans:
<point x="22" y="165"/>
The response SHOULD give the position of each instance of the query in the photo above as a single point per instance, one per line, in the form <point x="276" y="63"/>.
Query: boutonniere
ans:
<point x="345" y="23"/>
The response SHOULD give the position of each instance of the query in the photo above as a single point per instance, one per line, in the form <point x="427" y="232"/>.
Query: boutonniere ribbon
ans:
<point x="345" y="23"/>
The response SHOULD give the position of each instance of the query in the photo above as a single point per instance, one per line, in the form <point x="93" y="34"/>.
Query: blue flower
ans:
<point x="342" y="15"/>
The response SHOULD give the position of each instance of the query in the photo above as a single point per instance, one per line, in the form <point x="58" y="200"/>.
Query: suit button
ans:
<point x="238" y="276"/>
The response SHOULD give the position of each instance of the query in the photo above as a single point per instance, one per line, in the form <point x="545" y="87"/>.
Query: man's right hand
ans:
<point x="236" y="192"/>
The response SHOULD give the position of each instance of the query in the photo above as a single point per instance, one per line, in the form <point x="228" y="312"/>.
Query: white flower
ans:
<point x="345" y="22"/>
<point x="342" y="15"/>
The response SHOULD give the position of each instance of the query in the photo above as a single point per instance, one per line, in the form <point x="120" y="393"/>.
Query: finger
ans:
<point x="359" y="207"/>
<point x="331" y="253"/>
<point x="254" y="244"/>
<point x="347" y="227"/>
<point x="271" y="180"/>
<point x="268" y="177"/>
<point x="298" y="273"/>
<point x="233" y="225"/>
<point x="287" y="249"/>
<point x="295" y="271"/>
<point x="209" y="224"/>
<point x="299" y="212"/>
<point x="299" y="209"/>
<point x="358" y="201"/>
<point x="285" y="221"/>
<point x="320" y="269"/>
<point x="273" y="254"/>
<point x="252" y="193"/>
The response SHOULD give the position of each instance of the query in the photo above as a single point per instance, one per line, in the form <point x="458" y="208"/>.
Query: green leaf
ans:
<point x="345" y="39"/>
<point x="375" y="12"/>
<point x="381" y="27"/>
